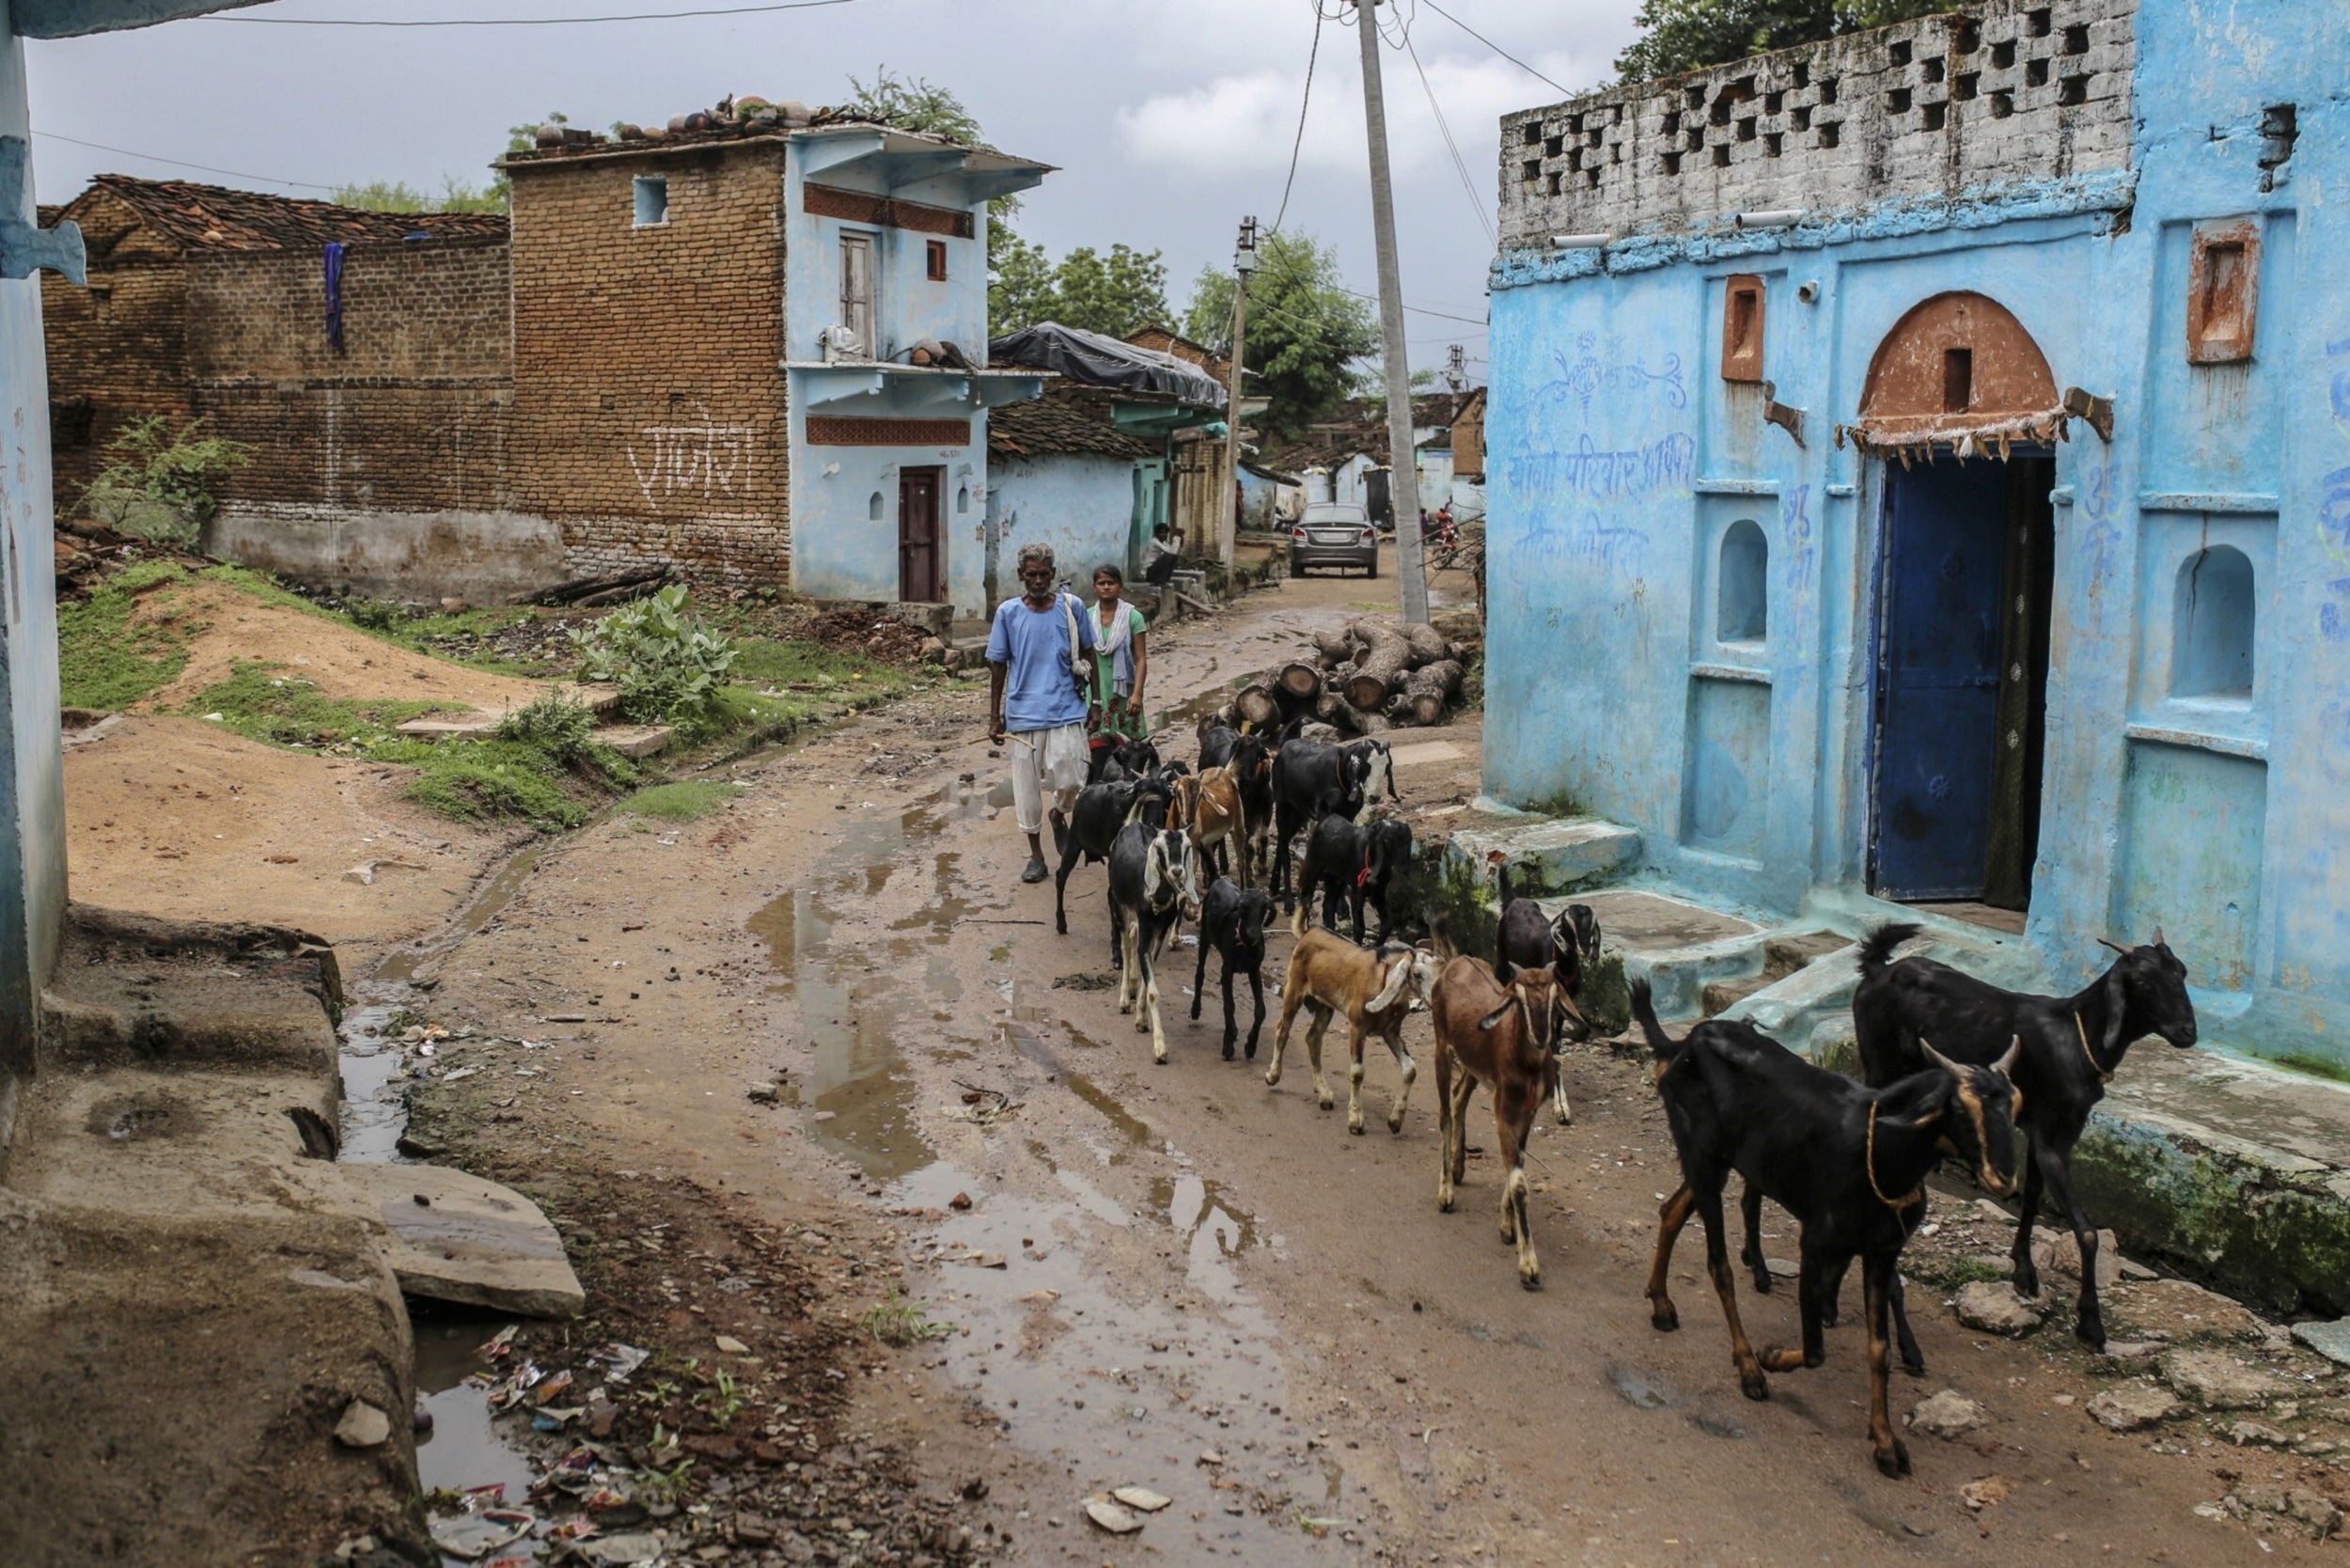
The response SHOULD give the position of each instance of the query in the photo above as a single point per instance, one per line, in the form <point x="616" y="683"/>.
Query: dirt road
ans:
<point x="1179" y="1277"/>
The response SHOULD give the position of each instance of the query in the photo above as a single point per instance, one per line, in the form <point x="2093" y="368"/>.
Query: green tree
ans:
<point x="1688" y="34"/>
<point x="1020" y="291"/>
<point x="398" y="196"/>
<point x="1112" y="295"/>
<point x="1306" y="329"/>
<point x="158" y="482"/>
<point x="915" y="104"/>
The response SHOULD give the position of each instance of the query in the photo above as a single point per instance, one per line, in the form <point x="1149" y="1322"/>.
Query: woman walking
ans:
<point x="1121" y="664"/>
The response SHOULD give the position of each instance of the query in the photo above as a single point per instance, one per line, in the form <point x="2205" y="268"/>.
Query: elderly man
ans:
<point x="1040" y="693"/>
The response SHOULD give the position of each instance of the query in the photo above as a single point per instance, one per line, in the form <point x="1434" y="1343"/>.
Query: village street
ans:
<point x="1177" y="1277"/>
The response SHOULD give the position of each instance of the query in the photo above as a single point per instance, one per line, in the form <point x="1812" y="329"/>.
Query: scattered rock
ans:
<point x="1949" y="1415"/>
<point x="2312" y="1510"/>
<point x="1987" y="1493"/>
<point x="2134" y="1407"/>
<point x="1210" y="1457"/>
<point x="960" y="1201"/>
<point x="2134" y="1350"/>
<point x="363" y="1425"/>
<point x="1111" y="1517"/>
<point x="764" y="1095"/>
<point x="1994" y="1307"/>
<point x="1782" y="1268"/>
<point x="1140" y="1498"/>
<point x="2218" y="1382"/>
<point x="729" y="1346"/>
<point x="2061" y="1253"/>
<point x="2330" y="1339"/>
<point x="2254" y="1432"/>
<point x="611" y="1550"/>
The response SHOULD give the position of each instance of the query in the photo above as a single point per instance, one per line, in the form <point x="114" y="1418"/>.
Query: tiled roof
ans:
<point x="212" y="218"/>
<point x="1065" y="419"/>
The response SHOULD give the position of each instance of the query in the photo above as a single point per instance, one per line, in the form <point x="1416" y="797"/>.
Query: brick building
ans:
<point x="694" y="348"/>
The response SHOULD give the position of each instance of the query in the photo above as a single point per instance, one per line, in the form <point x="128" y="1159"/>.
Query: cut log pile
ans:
<point x="1375" y="675"/>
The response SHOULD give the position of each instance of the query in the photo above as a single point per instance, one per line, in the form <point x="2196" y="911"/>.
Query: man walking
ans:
<point x="1040" y="693"/>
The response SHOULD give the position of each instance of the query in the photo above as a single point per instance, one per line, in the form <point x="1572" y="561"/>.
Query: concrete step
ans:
<point x="634" y="740"/>
<point x="1678" y="947"/>
<point x="1550" y="855"/>
<point x="474" y="726"/>
<point x="1720" y="996"/>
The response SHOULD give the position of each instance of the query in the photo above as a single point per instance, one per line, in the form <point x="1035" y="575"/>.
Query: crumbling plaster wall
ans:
<point x="1619" y="458"/>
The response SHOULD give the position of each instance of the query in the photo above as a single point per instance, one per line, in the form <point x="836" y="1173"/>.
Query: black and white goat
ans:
<point x="2070" y="1046"/>
<point x="1232" y="921"/>
<point x="1154" y="888"/>
<point x="1093" y="823"/>
<point x="1310" y="781"/>
<point x="1352" y="864"/>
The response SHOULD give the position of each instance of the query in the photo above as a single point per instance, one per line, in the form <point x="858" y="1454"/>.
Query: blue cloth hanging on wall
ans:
<point x="335" y="295"/>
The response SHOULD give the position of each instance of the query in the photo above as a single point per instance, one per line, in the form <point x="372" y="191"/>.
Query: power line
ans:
<point x="40" y="136"/>
<point x="1299" y="145"/>
<point x="1467" y="186"/>
<point x="1494" y="47"/>
<point x="524" y="21"/>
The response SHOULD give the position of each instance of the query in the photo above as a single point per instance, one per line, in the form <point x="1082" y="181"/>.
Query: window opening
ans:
<point x="652" y="200"/>
<point x="1958" y="380"/>
<point x="1742" y="329"/>
<point x="2213" y="617"/>
<point x="937" y="254"/>
<point x="1742" y="587"/>
<point x="856" y="290"/>
<point x="2223" y="294"/>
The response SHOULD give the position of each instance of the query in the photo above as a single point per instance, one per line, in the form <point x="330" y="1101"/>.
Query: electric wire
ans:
<point x="1495" y="48"/>
<point x="1468" y="186"/>
<point x="523" y="21"/>
<point x="39" y="136"/>
<point x="1299" y="145"/>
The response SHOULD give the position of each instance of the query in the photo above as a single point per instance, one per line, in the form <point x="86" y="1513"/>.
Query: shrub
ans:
<point x="375" y="615"/>
<point x="159" y="485"/>
<point x="555" y="724"/>
<point x="665" y="661"/>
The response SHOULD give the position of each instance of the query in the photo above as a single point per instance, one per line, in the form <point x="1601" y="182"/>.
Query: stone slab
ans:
<point x="634" y="740"/>
<point x="1421" y="752"/>
<point x="466" y="726"/>
<point x="1790" y="1010"/>
<point x="472" y="1240"/>
<point x="599" y="698"/>
<point x="2330" y="1339"/>
<point x="1554" y="857"/>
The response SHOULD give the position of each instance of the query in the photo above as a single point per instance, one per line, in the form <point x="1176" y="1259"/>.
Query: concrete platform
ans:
<point x="1550" y="856"/>
<point x="635" y="740"/>
<point x="464" y="727"/>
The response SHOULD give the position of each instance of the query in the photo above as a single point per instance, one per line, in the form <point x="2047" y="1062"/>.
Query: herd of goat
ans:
<point x="1951" y="1066"/>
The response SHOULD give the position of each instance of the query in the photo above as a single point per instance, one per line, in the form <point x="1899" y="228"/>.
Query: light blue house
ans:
<point x="1919" y="471"/>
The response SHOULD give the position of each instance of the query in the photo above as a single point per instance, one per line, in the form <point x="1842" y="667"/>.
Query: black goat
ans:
<point x="1232" y="920"/>
<point x="1153" y="889"/>
<point x="1352" y="864"/>
<point x="1849" y="1163"/>
<point x="1252" y="768"/>
<point x="2071" y="1046"/>
<point x="1093" y="822"/>
<point x="1114" y="764"/>
<point x="1215" y="743"/>
<point x="1525" y="938"/>
<point x="1310" y="781"/>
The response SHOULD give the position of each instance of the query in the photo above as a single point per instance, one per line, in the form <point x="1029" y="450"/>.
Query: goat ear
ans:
<point x="1942" y="1061"/>
<point x="1497" y="1014"/>
<point x="1153" y="873"/>
<point x="2157" y="935"/>
<point x="2116" y="1004"/>
<point x="1399" y="974"/>
<point x="2006" y="1064"/>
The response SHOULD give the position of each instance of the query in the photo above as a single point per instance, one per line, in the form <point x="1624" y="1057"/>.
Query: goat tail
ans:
<point x="1664" y="1047"/>
<point x="1440" y="933"/>
<point x="1876" y="948"/>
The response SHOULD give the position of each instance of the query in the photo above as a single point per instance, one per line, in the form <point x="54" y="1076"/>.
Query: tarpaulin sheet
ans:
<point x="1097" y="360"/>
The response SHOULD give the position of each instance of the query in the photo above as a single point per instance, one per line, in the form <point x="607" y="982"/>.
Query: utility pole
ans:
<point x="1402" y="455"/>
<point x="1244" y="262"/>
<point x="1456" y="368"/>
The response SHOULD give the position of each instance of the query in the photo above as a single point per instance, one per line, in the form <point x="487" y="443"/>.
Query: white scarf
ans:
<point x="1111" y="643"/>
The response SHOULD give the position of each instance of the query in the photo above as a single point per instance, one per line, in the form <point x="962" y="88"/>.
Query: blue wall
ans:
<point x="1082" y="503"/>
<point x="1619" y="459"/>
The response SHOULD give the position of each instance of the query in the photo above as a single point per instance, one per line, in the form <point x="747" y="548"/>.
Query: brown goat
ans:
<point x="1503" y="1037"/>
<point x="1374" y="988"/>
<point x="1213" y="812"/>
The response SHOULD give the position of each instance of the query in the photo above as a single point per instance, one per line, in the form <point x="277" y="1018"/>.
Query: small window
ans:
<point x="1958" y="380"/>
<point x="873" y="507"/>
<point x="652" y="200"/>
<point x="2223" y="293"/>
<point x="2212" y="619"/>
<point x="1742" y="590"/>
<point x="938" y="260"/>
<point x="1742" y="329"/>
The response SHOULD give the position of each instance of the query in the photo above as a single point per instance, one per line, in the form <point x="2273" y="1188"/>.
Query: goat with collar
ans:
<point x="1232" y="921"/>
<point x="1374" y="988"/>
<point x="1352" y="864"/>
<point x="1504" y="1036"/>
<point x="1153" y="887"/>
<point x="1310" y="781"/>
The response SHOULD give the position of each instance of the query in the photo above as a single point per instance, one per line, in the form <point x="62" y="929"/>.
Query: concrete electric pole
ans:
<point x="1244" y="262"/>
<point x="1403" y="454"/>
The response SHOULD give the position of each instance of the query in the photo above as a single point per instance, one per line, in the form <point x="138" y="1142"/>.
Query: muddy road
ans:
<point x="1179" y="1277"/>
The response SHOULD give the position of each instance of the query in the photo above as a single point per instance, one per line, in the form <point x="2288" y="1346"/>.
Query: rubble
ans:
<point x="1949" y="1415"/>
<point x="2218" y="1382"/>
<point x="1994" y="1307"/>
<point x="2134" y="1407"/>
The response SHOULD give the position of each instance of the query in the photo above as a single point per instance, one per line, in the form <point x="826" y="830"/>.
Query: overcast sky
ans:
<point x="1169" y="121"/>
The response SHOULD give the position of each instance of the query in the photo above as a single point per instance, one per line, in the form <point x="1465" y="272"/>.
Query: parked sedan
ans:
<point x="1333" y="535"/>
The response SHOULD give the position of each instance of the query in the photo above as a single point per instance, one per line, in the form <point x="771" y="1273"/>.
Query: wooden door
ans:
<point x="921" y="572"/>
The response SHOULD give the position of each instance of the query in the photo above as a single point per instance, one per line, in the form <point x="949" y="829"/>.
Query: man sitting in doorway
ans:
<point x="1040" y="695"/>
<point x="1161" y="555"/>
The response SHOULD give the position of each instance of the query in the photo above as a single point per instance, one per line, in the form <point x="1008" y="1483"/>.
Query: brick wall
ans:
<point x="649" y="417"/>
<point x="411" y="418"/>
<point x="2027" y="91"/>
<point x="117" y="350"/>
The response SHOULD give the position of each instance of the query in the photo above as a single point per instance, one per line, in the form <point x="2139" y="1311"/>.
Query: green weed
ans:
<point x="2316" y="1067"/>
<point x="286" y="710"/>
<point x="901" y="1322"/>
<point x="103" y="660"/>
<point x="680" y="802"/>
<point x="1952" y="1273"/>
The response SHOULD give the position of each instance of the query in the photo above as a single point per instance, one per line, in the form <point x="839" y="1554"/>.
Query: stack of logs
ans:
<point x="1375" y="675"/>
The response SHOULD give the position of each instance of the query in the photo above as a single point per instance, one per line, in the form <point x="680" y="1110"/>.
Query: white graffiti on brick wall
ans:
<point x="702" y="459"/>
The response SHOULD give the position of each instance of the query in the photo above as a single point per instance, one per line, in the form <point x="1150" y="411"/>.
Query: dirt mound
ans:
<point x="227" y="627"/>
<point x="175" y="816"/>
<point x="863" y="632"/>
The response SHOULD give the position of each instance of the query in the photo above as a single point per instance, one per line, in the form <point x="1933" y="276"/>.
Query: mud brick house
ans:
<point x="1935" y="445"/>
<point x="750" y="348"/>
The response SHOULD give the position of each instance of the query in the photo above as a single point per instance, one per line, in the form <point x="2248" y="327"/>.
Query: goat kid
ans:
<point x="1209" y="807"/>
<point x="1153" y="889"/>
<point x="1503" y="1037"/>
<point x="1352" y="863"/>
<point x="2071" y="1046"/>
<point x="1374" y="988"/>
<point x="1848" y="1161"/>
<point x="1128" y="759"/>
<point x="1101" y="810"/>
<point x="1525" y="938"/>
<point x="1232" y="921"/>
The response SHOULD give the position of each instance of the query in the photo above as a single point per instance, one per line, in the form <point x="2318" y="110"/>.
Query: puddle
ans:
<point x="465" y="1448"/>
<point x="1214" y="1230"/>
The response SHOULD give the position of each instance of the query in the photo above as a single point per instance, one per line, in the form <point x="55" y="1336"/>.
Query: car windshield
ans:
<point x="1328" y="516"/>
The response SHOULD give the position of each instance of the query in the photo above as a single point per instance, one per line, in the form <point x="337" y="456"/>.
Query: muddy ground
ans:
<point x="753" y="1043"/>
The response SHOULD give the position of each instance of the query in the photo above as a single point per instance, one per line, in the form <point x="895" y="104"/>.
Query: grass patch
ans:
<point x="283" y="710"/>
<point x="682" y="801"/>
<point x="2316" y="1067"/>
<point x="478" y="780"/>
<point x="103" y="660"/>
<point x="900" y="1322"/>
<point x="812" y="666"/>
<point x="1954" y="1273"/>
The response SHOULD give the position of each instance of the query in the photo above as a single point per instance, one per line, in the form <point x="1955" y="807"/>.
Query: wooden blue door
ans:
<point x="1937" y="700"/>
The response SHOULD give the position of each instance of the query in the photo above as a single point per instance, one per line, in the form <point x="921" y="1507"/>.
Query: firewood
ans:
<point x="1377" y="671"/>
<point x="1428" y="643"/>
<point x="1257" y="704"/>
<point x="1334" y="646"/>
<point x="1426" y="689"/>
<point x="1333" y="710"/>
<point x="1299" y="679"/>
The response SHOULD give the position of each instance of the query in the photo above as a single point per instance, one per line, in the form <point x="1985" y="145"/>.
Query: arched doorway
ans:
<point x="1961" y="412"/>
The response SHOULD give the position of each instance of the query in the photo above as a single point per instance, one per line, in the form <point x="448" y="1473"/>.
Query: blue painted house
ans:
<point x="1919" y="470"/>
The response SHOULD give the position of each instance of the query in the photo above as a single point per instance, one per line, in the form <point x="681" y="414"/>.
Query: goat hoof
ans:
<point x="2093" y="1335"/>
<point x="1227" y="1050"/>
<point x="1895" y="1464"/>
<point x="1142" y="1024"/>
<point x="1395" y="1125"/>
<point x="1531" y="1281"/>
<point x="1761" y="1281"/>
<point x="1755" y="1386"/>
<point x="1664" y="1317"/>
<point x="1355" y="1127"/>
<point x="1914" y="1369"/>
<point x="1444" y="1203"/>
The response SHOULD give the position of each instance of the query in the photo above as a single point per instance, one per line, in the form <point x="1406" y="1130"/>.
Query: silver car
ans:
<point x="1330" y="534"/>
